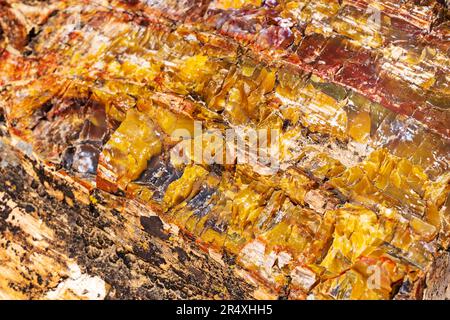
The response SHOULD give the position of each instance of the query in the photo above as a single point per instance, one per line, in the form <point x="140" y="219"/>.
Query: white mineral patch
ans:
<point x="303" y="278"/>
<point x="254" y="254"/>
<point x="80" y="285"/>
<point x="284" y="258"/>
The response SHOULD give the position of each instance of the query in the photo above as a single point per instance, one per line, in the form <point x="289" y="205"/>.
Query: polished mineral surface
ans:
<point x="357" y="91"/>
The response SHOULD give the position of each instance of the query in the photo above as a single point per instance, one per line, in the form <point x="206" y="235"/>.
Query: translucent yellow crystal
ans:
<point x="180" y="189"/>
<point x="130" y="147"/>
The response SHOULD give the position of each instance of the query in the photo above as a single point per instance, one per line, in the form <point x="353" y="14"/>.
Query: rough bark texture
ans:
<point x="438" y="280"/>
<point x="47" y="234"/>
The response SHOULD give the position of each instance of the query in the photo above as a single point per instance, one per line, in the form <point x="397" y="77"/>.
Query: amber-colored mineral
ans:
<point x="354" y="198"/>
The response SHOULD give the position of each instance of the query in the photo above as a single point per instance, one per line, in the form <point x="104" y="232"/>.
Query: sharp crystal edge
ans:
<point x="358" y="91"/>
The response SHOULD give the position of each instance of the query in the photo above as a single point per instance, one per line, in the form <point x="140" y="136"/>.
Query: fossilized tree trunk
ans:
<point x="53" y="245"/>
<point x="93" y="92"/>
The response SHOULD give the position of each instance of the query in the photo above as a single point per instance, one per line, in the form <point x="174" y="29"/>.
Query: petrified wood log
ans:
<point x="55" y="243"/>
<point x="54" y="246"/>
<point x="100" y="97"/>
